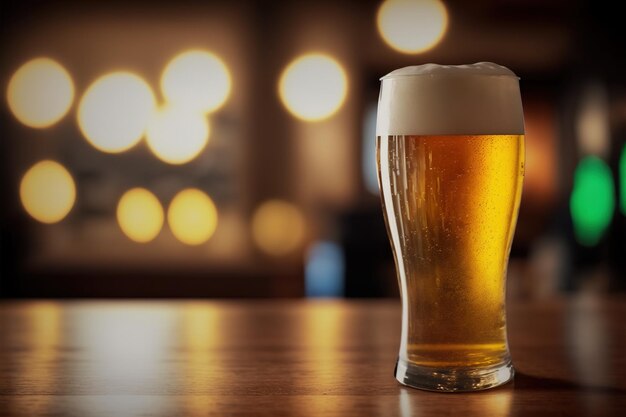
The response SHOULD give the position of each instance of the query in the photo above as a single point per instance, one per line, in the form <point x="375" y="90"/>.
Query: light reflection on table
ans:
<point x="288" y="358"/>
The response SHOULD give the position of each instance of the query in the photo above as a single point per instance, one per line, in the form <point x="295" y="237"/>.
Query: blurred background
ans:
<point x="226" y="149"/>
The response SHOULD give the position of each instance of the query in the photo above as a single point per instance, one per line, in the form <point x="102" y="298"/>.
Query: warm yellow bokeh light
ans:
<point x="48" y="191"/>
<point x="114" y="112"/>
<point x="40" y="93"/>
<point x="192" y="216"/>
<point x="278" y="227"/>
<point x="313" y="87"/>
<point x="176" y="135"/>
<point x="140" y="215"/>
<point x="198" y="80"/>
<point x="412" y="26"/>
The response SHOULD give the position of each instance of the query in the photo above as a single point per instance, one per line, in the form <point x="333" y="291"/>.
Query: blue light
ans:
<point x="324" y="270"/>
<point x="368" y="156"/>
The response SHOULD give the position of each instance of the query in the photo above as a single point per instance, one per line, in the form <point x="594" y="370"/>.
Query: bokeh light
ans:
<point x="313" y="87"/>
<point x="198" y="80"/>
<point x="192" y="216"/>
<point x="278" y="227"/>
<point x="412" y="26"/>
<point x="176" y="135"/>
<point x="592" y="201"/>
<point x="40" y="93"/>
<point x="592" y="122"/>
<point x="47" y="191"/>
<point x="114" y="112"/>
<point x="324" y="271"/>
<point x="622" y="180"/>
<point x="140" y="215"/>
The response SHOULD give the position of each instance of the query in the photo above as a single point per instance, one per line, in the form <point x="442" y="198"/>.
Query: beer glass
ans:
<point x="450" y="155"/>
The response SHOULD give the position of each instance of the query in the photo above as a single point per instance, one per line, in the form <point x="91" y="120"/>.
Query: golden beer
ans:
<point x="450" y="203"/>
<point x="456" y="198"/>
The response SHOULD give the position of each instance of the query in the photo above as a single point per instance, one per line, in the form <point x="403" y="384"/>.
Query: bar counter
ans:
<point x="291" y="358"/>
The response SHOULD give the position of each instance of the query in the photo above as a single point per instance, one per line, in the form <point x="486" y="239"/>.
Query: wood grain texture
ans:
<point x="283" y="358"/>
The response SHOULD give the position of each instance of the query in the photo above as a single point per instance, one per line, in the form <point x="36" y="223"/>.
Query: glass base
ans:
<point x="453" y="380"/>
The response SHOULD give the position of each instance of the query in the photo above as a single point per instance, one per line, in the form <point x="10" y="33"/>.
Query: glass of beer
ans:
<point x="450" y="154"/>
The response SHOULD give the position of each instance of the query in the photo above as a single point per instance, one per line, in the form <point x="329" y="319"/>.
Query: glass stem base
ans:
<point x="453" y="380"/>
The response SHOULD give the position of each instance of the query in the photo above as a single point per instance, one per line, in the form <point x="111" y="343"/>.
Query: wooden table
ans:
<point x="300" y="358"/>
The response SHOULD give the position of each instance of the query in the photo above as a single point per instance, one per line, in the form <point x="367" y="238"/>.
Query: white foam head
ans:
<point x="431" y="99"/>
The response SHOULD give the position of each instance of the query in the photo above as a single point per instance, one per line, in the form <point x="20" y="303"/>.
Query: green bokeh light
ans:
<point x="592" y="201"/>
<point x="622" y="180"/>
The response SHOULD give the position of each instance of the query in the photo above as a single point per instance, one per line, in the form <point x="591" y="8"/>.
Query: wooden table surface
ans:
<point x="280" y="358"/>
